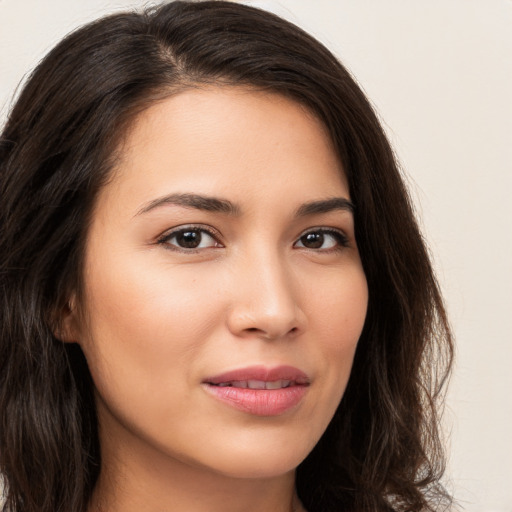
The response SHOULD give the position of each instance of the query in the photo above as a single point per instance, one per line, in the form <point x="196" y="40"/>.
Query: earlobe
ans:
<point x="66" y="324"/>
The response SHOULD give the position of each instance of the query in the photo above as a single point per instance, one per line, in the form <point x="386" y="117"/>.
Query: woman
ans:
<point x="214" y="292"/>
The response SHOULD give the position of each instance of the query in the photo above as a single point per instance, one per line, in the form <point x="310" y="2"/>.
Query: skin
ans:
<point x="156" y="319"/>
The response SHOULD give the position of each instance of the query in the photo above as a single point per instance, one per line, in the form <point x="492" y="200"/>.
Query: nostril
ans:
<point x="265" y="322"/>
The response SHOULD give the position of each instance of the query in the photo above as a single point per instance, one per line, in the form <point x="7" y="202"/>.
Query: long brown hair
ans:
<point x="382" y="450"/>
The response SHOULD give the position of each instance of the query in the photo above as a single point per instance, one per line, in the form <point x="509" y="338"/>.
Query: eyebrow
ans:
<point x="325" y="206"/>
<point x="218" y="205"/>
<point x="198" y="202"/>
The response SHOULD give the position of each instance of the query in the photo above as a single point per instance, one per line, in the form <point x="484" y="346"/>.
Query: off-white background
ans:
<point x="439" y="72"/>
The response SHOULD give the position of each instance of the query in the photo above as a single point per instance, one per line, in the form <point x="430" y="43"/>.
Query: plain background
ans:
<point x="439" y="73"/>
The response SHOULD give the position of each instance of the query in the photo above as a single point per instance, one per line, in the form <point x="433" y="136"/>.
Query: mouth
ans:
<point x="259" y="390"/>
<point x="257" y="384"/>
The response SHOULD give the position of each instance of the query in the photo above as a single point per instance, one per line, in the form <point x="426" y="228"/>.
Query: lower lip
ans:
<point x="260" y="402"/>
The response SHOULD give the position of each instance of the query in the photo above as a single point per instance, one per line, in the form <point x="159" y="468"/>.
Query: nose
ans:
<point x="265" y="300"/>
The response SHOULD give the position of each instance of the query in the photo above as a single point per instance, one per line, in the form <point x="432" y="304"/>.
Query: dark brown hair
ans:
<point x="382" y="450"/>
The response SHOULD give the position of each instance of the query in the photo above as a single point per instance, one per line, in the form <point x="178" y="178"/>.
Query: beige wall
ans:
<point x="440" y="74"/>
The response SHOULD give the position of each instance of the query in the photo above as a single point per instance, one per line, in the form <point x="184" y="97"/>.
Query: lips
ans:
<point x="262" y="374"/>
<point x="260" y="390"/>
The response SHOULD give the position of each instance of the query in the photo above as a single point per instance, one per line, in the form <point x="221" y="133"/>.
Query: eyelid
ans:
<point x="169" y="233"/>
<point x="340" y="235"/>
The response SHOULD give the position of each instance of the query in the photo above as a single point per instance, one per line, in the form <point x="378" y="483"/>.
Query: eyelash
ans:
<point x="166" y="237"/>
<point x="340" y="238"/>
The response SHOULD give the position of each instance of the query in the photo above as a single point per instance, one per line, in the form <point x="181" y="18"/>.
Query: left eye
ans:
<point x="322" y="239"/>
<point x="190" y="238"/>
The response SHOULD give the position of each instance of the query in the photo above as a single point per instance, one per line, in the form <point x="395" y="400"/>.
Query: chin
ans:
<point x="260" y="460"/>
<point x="258" y="468"/>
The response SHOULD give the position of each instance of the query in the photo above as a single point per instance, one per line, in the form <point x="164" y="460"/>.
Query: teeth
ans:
<point x="278" y="384"/>
<point x="256" y="384"/>
<point x="274" y="385"/>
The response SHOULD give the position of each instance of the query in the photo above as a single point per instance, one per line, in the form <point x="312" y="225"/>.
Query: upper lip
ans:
<point x="260" y="373"/>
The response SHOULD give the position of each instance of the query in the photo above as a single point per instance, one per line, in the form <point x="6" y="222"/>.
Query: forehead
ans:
<point x="229" y="139"/>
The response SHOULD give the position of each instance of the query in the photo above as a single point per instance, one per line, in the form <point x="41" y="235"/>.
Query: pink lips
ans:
<point x="260" y="390"/>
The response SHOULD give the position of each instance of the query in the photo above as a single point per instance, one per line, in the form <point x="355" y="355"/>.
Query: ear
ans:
<point x="66" y="322"/>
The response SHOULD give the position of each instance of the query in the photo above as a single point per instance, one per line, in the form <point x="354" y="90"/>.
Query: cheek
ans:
<point x="340" y="310"/>
<point x="144" y="326"/>
<point x="337" y="317"/>
<point x="348" y="306"/>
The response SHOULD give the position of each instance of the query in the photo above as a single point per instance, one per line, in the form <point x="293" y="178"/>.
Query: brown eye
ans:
<point x="322" y="239"/>
<point x="189" y="238"/>
<point x="312" y="240"/>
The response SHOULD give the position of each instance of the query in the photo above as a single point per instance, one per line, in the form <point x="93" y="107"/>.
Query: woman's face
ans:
<point x="223" y="290"/>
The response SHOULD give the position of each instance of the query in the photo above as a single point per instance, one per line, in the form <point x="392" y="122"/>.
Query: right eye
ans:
<point x="189" y="238"/>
